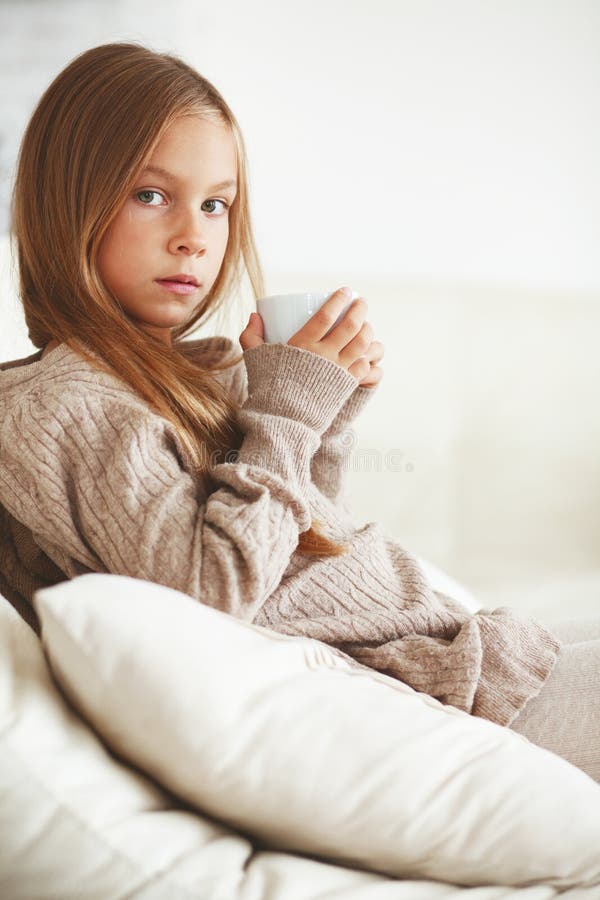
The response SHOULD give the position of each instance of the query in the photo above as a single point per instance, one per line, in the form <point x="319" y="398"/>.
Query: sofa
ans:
<point x="202" y="757"/>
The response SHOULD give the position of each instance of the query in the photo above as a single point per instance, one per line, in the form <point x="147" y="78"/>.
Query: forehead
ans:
<point x="196" y="149"/>
<point x="172" y="177"/>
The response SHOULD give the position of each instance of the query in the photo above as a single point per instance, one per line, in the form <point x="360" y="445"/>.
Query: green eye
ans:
<point x="145" y="197"/>
<point x="224" y="206"/>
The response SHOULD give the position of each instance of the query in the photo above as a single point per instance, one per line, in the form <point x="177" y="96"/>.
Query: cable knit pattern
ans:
<point x="93" y="480"/>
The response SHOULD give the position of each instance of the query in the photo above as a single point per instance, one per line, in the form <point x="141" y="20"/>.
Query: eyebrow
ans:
<point x="221" y="186"/>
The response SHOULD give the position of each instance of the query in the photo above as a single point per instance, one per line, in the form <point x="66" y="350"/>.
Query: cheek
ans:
<point x="121" y="251"/>
<point x="225" y="238"/>
<point x="119" y="271"/>
<point x="110" y="259"/>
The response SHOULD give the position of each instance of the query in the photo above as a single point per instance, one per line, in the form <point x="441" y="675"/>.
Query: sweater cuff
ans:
<point x="352" y="408"/>
<point x="518" y="656"/>
<point x="297" y="384"/>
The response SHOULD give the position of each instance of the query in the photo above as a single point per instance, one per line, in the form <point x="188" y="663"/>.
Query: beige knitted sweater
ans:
<point x="92" y="480"/>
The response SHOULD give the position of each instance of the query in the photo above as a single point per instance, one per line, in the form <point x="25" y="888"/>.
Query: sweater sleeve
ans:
<point x="332" y="459"/>
<point x="490" y="668"/>
<point x="100" y="480"/>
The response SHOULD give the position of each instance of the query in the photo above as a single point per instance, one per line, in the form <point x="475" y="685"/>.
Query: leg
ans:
<point x="565" y="716"/>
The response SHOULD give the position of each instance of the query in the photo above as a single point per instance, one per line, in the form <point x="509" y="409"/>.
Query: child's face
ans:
<point x="175" y="222"/>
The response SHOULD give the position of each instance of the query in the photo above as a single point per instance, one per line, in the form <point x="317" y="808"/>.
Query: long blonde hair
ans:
<point x="92" y="132"/>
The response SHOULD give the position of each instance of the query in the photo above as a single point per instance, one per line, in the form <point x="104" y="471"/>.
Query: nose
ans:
<point x="188" y="236"/>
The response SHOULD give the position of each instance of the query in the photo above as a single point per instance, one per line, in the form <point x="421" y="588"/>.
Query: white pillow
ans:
<point x="74" y="822"/>
<point x="281" y="737"/>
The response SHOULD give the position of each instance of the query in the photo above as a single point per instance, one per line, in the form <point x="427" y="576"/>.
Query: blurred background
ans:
<point x="441" y="157"/>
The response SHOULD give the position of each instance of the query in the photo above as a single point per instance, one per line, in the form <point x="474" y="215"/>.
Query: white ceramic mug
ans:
<point x="285" y="314"/>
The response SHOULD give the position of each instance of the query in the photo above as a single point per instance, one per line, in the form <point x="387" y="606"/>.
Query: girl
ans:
<point x="126" y="449"/>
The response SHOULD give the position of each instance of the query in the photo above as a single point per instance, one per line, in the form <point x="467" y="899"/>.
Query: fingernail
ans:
<point x="347" y="291"/>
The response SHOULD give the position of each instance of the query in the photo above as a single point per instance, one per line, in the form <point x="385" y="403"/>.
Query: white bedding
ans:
<point x="76" y="822"/>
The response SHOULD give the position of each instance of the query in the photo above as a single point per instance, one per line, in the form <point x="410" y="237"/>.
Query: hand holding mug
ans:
<point x="348" y="342"/>
<point x="338" y="331"/>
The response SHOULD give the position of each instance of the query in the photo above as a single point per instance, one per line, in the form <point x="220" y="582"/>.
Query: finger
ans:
<point x="345" y="331"/>
<point x="358" y="346"/>
<point x="360" y="368"/>
<point x="325" y="317"/>
<point x="254" y="332"/>
<point x="373" y="378"/>
<point x="375" y="352"/>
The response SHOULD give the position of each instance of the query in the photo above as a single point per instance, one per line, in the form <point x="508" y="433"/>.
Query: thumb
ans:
<point x="253" y="334"/>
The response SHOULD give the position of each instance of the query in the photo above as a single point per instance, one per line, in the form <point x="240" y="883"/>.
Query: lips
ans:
<point x="178" y="284"/>
<point x="182" y="277"/>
